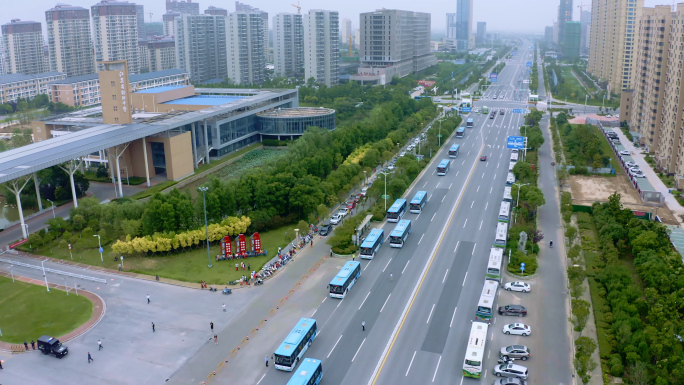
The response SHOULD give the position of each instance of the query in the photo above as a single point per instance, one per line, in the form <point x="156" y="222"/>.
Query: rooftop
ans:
<point x="12" y="78"/>
<point x="296" y="112"/>
<point x="206" y="100"/>
<point x="159" y="89"/>
<point x="154" y="75"/>
<point x="131" y="78"/>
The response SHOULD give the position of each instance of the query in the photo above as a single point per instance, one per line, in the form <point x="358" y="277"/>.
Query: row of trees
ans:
<point x="54" y="184"/>
<point x="583" y="145"/>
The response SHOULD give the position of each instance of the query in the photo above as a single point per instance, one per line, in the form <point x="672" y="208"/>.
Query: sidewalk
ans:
<point x="638" y="155"/>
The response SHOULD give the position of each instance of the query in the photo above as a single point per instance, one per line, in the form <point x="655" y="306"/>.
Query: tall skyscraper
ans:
<point x="140" y="14"/>
<point x="481" y="32"/>
<point x="611" y="47"/>
<point x="451" y="26"/>
<point x="585" y="19"/>
<point x="345" y="30"/>
<point x="464" y="24"/>
<point x="201" y="47"/>
<point x="548" y="34"/>
<point x="160" y="53"/>
<point x="184" y="7"/>
<point x="115" y="31"/>
<point x="2" y="59"/>
<point x="246" y="54"/>
<point x="169" y="20"/>
<point x="241" y="7"/>
<point x="564" y="15"/>
<point x="216" y="11"/>
<point x="69" y="40"/>
<point x="288" y="45"/>
<point x="572" y="39"/>
<point x="322" y="46"/>
<point x="23" y="43"/>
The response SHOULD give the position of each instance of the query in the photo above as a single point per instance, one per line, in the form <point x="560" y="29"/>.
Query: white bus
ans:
<point x="510" y="179"/>
<point x="472" y="365"/>
<point x="507" y="194"/>
<point x="485" y="306"/>
<point x="514" y="157"/>
<point x="504" y="212"/>
<point x="501" y="235"/>
<point x="494" y="264"/>
<point x="510" y="166"/>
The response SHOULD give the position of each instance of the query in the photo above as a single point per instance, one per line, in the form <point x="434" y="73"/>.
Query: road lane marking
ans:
<point x="433" y="172"/>
<point x="480" y="226"/>
<point x="473" y="253"/>
<point x="433" y="215"/>
<point x="483" y="175"/>
<point x="407" y="262"/>
<point x="464" y="278"/>
<point x="425" y="184"/>
<point x="357" y="350"/>
<point x="452" y="317"/>
<point x="487" y="205"/>
<point x="340" y="303"/>
<point x="442" y="201"/>
<point x="457" y="242"/>
<point x="478" y="189"/>
<point x="421" y="238"/>
<point x="388" y="262"/>
<point x="333" y="348"/>
<point x="430" y="197"/>
<point x="410" y="363"/>
<point x="262" y="377"/>
<point x="494" y="177"/>
<point x="490" y="189"/>
<point x="437" y="185"/>
<point x="312" y="314"/>
<point x="457" y="173"/>
<point x="430" y="315"/>
<point x="386" y="238"/>
<point x="463" y="162"/>
<point x="324" y="299"/>
<point x="471" y="205"/>
<point x="464" y="224"/>
<point x="369" y="262"/>
<point x="383" y="305"/>
<point x="445" y="274"/>
<point x="450" y="186"/>
<point x="468" y="153"/>
<point x="436" y="369"/>
<point x="364" y="300"/>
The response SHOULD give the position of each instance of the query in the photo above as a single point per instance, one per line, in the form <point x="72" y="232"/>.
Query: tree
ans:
<point x="637" y="374"/>
<point x="584" y="366"/>
<point x="522" y="171"/>
<point x="580" y="316"/>
<point x="534" y="196"/>
<point x="584" y="346"/>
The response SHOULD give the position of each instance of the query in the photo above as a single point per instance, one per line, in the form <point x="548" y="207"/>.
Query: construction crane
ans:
<point x="150" y="16"/>
<point x="299" y="9"/>
<point x="350" y="46"/>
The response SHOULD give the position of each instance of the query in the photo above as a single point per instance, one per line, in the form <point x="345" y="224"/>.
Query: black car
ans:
<point x="51" y="345"/>
<point x="518" y="310"/>
<point x="501" y="112"/>
<point x="325" y="230"/>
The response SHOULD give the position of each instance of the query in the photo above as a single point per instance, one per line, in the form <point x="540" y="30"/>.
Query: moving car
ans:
<point x="501" y="112"/>
<point x="483" y="157"/>
<point x="511" y="370"/>
<point x="517" y="286"/>
<point x="342" y="212"/>
<point x="630" y="164"/>
<point x="335" y="219"/>
<point x="517" y="329"/>
<point x="325" y="230"/>
<point x="521" y="352"/>
<point x="625" y="152"/>
<point x="518" y="310"/>
<point x="51" y="345"/>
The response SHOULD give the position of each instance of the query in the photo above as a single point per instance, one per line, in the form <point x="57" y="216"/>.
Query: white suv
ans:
<point x="335" y="219"/>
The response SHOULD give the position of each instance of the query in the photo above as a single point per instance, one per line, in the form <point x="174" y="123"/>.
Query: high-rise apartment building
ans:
<point x="2" y="59"/>
<point x="548" y="34"/>
<point x="612" y="41"/>
<point x="201" y="47"/>
<point x="246" y="54"/>
<point x="69" y="40"/>
<point x="481" y="32"/>
<point x="140" y="14"/>
<point x="159" y="53"/>
<point x="572" y="39"/>
<point x="464" y="24"/>
<point x="115" y="32"/>
<point x="169" y="23"/>
<point x="184" y="7"/>
<point x="322" y="46"/>
<point x="393" y="43"/>
<point x="345" y="30"/>
<point x="564" y="15"/>
<point x="23" y="43"/>
<point x="451" y="26"/>
<point x="216" y="11"/>
<point x="585" y="19"/>
<point x="288" y="45"/>
<point x="241" y="7"/>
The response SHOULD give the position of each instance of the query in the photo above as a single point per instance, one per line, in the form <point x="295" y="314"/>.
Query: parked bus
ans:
<point x="504" y="212"/>
<point x="372" y="244"/>
<point x="397" y="210"/>
<point x="485" y="110"/>
<point x="510" y="166"/>
<point x="507" y="194"/>
<point x="418" y="202"/>
<point x="345" y="279"/>
<point x="443" y="167"/>
<point x="469" y="123"/>
<point x="460" y="132"/>
<point x="453" y="151"/>
<point x="510" y="179"/>
<point x="514" y="157"/>
<point x="485" y="306"/>
<point x="309" y="373"/>
<point x="501" y="234"/>
<point x="472" y="365"/>
<point x="494" y="264"/>
<point x="295" y="345"/>
<point x="400" y="233"/>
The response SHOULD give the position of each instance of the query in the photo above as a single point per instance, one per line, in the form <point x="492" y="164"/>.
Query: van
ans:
<point x="51" y="345"/>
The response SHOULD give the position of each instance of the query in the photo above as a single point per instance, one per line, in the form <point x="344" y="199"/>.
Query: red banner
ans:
<point x="242" y="244"/>
<point x="227" y="246"/>
<point x="257" y="242"/>
<point x="15" y="244"/>
<point x="427" y="83"/>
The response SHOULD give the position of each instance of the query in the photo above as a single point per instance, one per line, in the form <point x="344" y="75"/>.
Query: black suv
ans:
<point x="518" y="310"/>
<point x="325" y="230"/>
<point x="51" y="345"/>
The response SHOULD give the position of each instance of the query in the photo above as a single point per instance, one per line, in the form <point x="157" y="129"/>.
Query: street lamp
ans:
<point x="603" y="104"/>
<point x="365" y="178"/>
<point x="42" y="263"/>
<point x="585" y="103"/>
<point x="204" y="190"/>
<point x="384" y="197"/>
<point x="99" y="243"/>
<point x="517" y="201"/>
<point x="439" y="137"/>
<point x="53" y="207"/>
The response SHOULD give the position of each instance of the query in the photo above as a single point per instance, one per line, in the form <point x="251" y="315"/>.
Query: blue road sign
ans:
<point x="529" y="64"/>
<point x="465" y="109"/>
<point x="493" y="77"/>
<point x="517" y="111"/>
<point x="522" y="267"/>
<point x="516" y="142"/>
<point x="101" y="250"/>
<point x="531" y="47"/>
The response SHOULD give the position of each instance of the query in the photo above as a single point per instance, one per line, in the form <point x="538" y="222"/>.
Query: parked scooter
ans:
<point x="504" y="360"/>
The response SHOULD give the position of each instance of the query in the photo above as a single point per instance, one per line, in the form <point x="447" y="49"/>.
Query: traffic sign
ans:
<point x="465" y="109"/>
<point x="522" y="267"/>
<point x="385" y="196"/>
<point x="516" y="142"/>
<point x="493" y="77"/>
<point x="529" y="64"/>
<point x="517" y="110"/>
<point x="70" y="246"/>
<point x="101" y="249"/>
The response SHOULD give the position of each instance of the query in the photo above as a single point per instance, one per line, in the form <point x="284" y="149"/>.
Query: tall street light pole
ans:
<point x="385" y="196"/>
<point x="42" y="263"/>
<point x="204" y="189"/>
<point x="53" y="207"/>
<point x="519" y="186"/>
<point x="100" y="247"/>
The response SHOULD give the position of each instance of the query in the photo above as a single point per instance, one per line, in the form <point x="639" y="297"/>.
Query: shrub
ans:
<point x="570" y="233"/>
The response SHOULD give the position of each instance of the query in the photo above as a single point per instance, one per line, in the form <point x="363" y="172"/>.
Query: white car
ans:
<point x="609" y="116"/>
<point x="638" y="175"/>
<point x="342" y="213"/>
<point x="517" y="329"/>
<point x="335" y="219"/>
<point x="517" y="286"/>
<point x="634" y="169"/>
<point x="625" y="152"/>
<point x="511" y="371"/>
<point x="630" y="164"/>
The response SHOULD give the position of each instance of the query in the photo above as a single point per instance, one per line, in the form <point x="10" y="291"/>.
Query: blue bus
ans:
<point x="469" y="123"/>
<point x="372" y="244"/>
<point x="460" y="132"/>
<point x="295" y="345"/>
<point x="396" y="211"/>
<point x="400" y="233"/>
<point x="310" y="373"/>
<point x="443" y="167"/>
<point x="345" y="279"/>
<point x="453" y="151"/>
<point x="418" y="202"/>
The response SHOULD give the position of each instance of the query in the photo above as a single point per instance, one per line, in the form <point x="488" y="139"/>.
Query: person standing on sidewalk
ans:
<point x="99" y="345"/>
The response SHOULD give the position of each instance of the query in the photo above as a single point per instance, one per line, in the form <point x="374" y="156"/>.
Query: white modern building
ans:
<point x="115" y="32"/>
<point x="201" y="46"/>
<point x="23" y="44"/>
<point x="246" y="53"/>
<point x="322" y="46"/>
<point x="288" y="47"/>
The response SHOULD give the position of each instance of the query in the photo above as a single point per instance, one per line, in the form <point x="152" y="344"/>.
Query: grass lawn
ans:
<point x="189" y="266"/>
<point x="29" y="311"/>
<point x="148" y="192"/>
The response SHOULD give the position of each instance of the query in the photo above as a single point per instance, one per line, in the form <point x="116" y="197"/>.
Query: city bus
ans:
<point x="485" y="306"/>
<point x="494" y="264"/>
<point x="469" y="123"/>
<point x="510" y="179"/>
<point x="295" y="345"/>
<point x="345" y="279"/>
<point x="460" y="132"/>
<point x="507" y="194"/>
<point x="418" y="202"/>
<point x="372" y="244"/>
<point x="396" y="211"/>
<point x="510" y="166"/>
<point x="443" y="167"/>
<point x="453" y="151"/>
<point x="514" y="157"/>
<point x="400" y="233"/>
<point x="309" y="373"/>
<point x="485" y="110"/>
<point x="501" y="234"/>
<point x="472" y="365"/>
<point x="504" y="212"/>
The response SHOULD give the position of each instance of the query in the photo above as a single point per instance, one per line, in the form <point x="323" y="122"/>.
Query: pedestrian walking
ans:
<point x="363" y="326"/>
<point x="331" y="252"/>
<point x="266" y="361"/>
<point x="236" y="267"/>
<point x="25" y="345"/>
<point x="90" y="358"/>
<point x="148" y="299"/>
<point x="1" y="361"/>
<point x="215" y="339"/>
<point x="211" y="324"/>
<point x="391" y="277"/>
<point x="119" y="267"/>
<point x="99" y="345"/>
<point x="353" y="257"/>
<point x="249" y="267"/>
<point x="153" y="327"/>
<point x="224" y="307"/>
<point x="33" y="345"/>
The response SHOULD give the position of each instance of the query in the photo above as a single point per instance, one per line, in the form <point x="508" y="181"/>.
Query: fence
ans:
<point x="591" y="170"/>
<point x="53" y="271"/>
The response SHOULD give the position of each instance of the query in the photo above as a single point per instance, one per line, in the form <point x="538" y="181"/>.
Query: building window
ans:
<point x="113" y="84"/>
<point x="116" y="108"/>
<point x="113" y="97"/>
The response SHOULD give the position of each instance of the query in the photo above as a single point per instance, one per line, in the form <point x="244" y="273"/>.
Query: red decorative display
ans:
<point x="427" y="83"/>
<point x="242" y="244"/>
<point x="227" y="246"/>
<point x="257" y="242"/>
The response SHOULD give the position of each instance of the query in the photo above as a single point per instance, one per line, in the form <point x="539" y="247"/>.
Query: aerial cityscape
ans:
<point x="299" y="193"/>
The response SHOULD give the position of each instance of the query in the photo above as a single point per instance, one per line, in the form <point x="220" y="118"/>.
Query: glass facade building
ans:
<point x="294" y="121"/>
